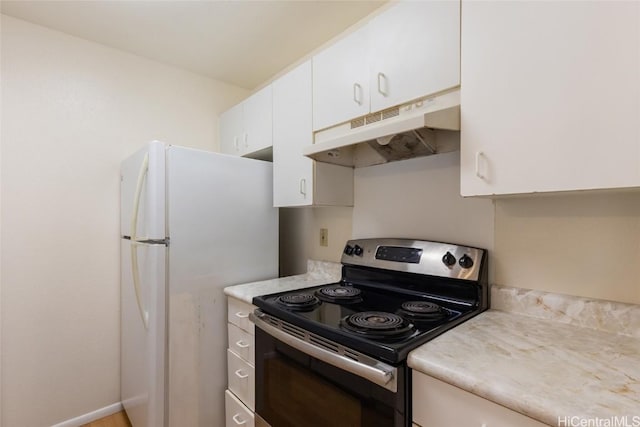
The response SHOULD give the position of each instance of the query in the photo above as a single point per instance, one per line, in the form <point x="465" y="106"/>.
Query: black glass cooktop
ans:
<point x="385" y="323"/>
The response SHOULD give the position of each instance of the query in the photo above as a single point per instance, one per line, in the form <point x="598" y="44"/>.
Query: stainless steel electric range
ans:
<point x="335" y="355"/>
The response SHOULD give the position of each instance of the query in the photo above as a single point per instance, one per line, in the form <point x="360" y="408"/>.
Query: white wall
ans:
<point x="420" y="198"/>
<point x="585" y="244"/>
<point x="71" y="111"/>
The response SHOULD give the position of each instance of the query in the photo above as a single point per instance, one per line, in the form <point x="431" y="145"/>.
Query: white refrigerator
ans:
<point x="192" y="222"/>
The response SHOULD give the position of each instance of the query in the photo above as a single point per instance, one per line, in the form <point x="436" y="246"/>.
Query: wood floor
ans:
<point x="116" y="420"/>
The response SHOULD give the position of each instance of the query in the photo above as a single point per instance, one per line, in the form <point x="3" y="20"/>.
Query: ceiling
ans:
<point x="239" y="42"/>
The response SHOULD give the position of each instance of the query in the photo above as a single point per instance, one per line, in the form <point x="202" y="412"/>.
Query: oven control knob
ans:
<point x="448" y="259"/>
<point x="348" y="250"/>
<point x="465" y="261"/>
<point x="358" y="250"/>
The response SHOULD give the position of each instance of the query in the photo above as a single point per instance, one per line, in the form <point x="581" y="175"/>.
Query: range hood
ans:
<point x="403" y="132"/>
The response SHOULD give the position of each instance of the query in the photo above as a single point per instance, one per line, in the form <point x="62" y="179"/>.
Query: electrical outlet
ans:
<point x="324" y="237"/>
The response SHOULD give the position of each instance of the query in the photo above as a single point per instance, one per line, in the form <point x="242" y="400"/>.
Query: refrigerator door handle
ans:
<point x="144" y="168"/>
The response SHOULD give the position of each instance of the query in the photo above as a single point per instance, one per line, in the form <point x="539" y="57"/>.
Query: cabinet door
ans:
<point x="341" y="81"/>
<point x="437" y="404"/>
<point x="257" y="121"/>
<point x="551" y="96"/>
<point x="231" y="130"/>
<point x="292" y="172"/>
<point x="415" y="51"/>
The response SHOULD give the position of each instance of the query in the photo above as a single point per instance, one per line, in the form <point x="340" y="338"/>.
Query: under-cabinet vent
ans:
<point x="357" y="122"/>
<point x="401" y="132"/>
<point x="375" y="117"/>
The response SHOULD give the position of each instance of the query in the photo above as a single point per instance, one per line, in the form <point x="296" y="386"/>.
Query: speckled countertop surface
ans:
<point x="555" y="356"/>
<point x="318" y="273"/>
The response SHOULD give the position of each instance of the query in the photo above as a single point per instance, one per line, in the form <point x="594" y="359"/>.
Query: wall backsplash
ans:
<point x="583" y="244"/>
<point x="420" y="198"/>
<point x="576" y="243"/>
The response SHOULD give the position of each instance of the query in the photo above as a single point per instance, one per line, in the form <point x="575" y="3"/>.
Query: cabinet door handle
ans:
<point x="303" y="186"/>
<point x="235" y="142"/>
<point x="479" y="156"/>
<point x="242" y="344"/>
<point x="242" y="315"/>
<point x="357" y="93"/>
<point x="239" y="421"/>
<point x="381" y="78"/>
<point x="241" y="374"/>
<point x="246" y="140"/>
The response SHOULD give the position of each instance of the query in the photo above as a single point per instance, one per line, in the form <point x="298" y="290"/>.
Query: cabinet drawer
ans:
<point x="238" y="314"/>
<point x="236" y="413"/>
<point x="241" y="343"/>
<point x="241" y="376"/>
<point x="437" y="404"/>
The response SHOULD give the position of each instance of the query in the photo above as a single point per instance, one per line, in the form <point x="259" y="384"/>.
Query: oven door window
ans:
<point x="294" y="389"/>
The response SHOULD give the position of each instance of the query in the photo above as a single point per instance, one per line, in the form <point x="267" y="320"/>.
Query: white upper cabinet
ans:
<point x="550" y="96"/>
<point x="415" y="51"/>
<point x="298" y="180"/>
<point x="231" y="130"/>
<point x="409" y="51"/>
<point x="341" y="81"/>
<point x="247" y="127"/>
<point x="292" y="172"/>
<point x="257" y="121"/>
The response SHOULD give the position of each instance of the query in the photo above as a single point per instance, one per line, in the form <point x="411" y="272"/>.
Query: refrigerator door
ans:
<point x="224" y="231"/>
<point x="143" y="342"/>
<point x="142" y="194"/>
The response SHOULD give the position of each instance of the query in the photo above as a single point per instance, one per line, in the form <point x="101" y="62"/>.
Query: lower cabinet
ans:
<point x="240" y="396"/>
<point x="236" y="413"/>
<point x="438" y="404"/>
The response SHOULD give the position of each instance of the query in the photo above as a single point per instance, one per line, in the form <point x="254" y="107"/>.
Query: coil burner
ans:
<point x="299" y="302"/>
<point x="423" y="311"/>
<point x="377" y="325"/>
<point x="340" y="294"/>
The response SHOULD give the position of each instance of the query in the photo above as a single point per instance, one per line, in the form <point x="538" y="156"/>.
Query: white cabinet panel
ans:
<point x="550" y="96"/>
<point x="238" y="314"/>
<point x="438" y="404"/>
<point x="292" y="172"/>
<point x="415" y="51"/>
<point x="341" y="80"/>
<point x="257" y="121"/>
<point x="409" y="51"/>
<point x="248" y="127"/>
<point x="231" y="130"/>
<point x="298" y="180"/>
<point x="241" y="343"/>
<point x="237" y="415"/>
<point x="241" y="377"/>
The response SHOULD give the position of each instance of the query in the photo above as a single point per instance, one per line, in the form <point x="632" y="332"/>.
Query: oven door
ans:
<point x="299" y="383"/>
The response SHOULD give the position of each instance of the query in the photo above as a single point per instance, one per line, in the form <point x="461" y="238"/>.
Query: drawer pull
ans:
<point x="242" y="315"/>
<point x="241" y="374"/>
<point x="242" y="344"/>
<point x="239" y="421"/>
<point x="479" y="156"/>
<point x="357" y="93"/>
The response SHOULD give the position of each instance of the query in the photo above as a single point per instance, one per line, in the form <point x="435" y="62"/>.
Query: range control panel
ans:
<point x="416" y="256"/>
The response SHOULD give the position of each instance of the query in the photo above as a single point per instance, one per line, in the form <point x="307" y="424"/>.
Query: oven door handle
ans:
<point x="367" y="367"/>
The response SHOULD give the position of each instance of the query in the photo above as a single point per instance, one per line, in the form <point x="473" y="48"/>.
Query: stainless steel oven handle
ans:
<point x="374" y="371"/>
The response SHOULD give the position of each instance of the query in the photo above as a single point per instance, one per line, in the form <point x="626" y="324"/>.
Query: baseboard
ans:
<point x="91" y="416"/>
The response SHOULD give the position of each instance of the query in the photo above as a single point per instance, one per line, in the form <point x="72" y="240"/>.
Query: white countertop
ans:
<point x="540" y="367"/>
<point x="319" y="273"/>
